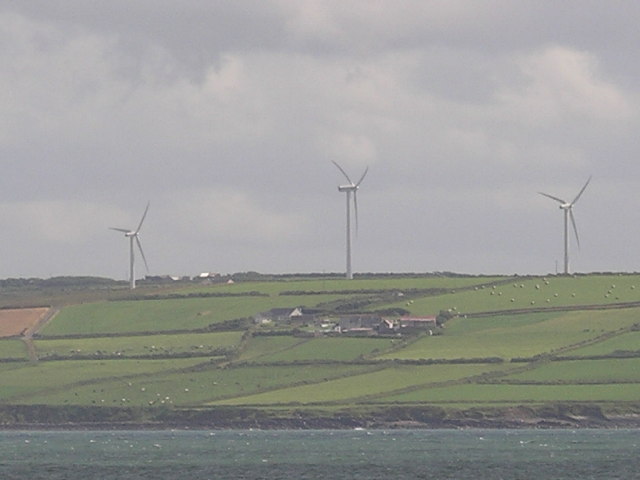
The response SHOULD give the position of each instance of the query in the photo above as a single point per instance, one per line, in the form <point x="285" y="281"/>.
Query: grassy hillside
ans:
<point x="512" y="341"/>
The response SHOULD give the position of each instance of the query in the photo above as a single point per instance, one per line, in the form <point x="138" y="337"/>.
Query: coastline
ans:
<point x="545" y="417"/>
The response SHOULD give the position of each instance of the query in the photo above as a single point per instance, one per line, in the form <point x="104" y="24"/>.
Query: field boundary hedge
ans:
<point x="216" y="352"/>
<point x="565" y="308"/>
<point x="185" y="296"/>
<point x="363" y="361"/>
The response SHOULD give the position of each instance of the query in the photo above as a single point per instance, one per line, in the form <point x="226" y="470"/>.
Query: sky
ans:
<point x="226" y="117"/>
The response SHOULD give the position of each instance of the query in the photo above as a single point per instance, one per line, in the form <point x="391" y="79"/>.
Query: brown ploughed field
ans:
<point x="15" y="322"/>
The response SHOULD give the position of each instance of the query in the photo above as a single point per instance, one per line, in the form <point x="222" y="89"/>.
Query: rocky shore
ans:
<point x="69" y="418"/>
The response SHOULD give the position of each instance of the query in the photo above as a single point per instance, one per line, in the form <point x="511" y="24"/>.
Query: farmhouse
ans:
<point x="417" y="323"/>
<point x="352" y="323"/>
<point x="387" y="326"/>
<point x="207" y="278"/>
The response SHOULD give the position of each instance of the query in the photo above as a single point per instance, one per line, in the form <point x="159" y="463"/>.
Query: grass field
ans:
<point x="165" y="315"/>
<point x="583" y="371"/>
<point x="534" y="292"/>
<point x="198" y="386"/>
<point x="11" y="348"/>
<point x="259" y="347"/>
<point x="474" y="394"/>
<point x="517" y="336"/>
<point x="148" y="345"/>
<point x="32" y="383"/>
<point x="294" y="368"/>
<point x="341" y="284"/>
<point x="320" y="349"/>
<point x="371" y="384"/>
<point x="627" y="342"/>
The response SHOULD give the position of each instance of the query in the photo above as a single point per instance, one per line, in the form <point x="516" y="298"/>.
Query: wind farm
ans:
<point x="434" y="345"/>
<point x="368" y="342"/>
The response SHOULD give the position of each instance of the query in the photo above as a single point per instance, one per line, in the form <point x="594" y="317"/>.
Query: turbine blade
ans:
<point x="575" y="229"/>
<point x="143" y="216"/>
<point x="552" y="197"/>
<point x="142" y="253"/>
<point x="362" y="177"/>
<point x="125" y="230"/>
<point x="343" y="172"/>
<point x="581" y="191"/>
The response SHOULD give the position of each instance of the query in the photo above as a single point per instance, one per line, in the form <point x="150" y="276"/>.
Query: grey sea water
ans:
<point x="321" y="454"/>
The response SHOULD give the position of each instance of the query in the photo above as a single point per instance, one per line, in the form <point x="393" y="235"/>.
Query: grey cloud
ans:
<point x="226" y="116"/>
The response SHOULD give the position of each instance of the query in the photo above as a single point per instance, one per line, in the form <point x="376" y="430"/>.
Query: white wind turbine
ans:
<point x="568" y="214"/>
<point x="133" y="235"/>
<point x="350" y="188"/>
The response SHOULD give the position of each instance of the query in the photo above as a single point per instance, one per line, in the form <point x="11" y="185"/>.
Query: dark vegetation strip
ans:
<point x="23" y="307"/>
<point x="559" y="382"/>
<point x="178" y="296"/>
<point x="216" y="352"/>
<point x="364" y="361"/>
<point x="391" y="291"/>
<point x="225" y="353"/>
<point x="617" y="355"/>
<point x="565" y="308"/>
<point x="13" y="359"/>
<point x="407" y="292"/>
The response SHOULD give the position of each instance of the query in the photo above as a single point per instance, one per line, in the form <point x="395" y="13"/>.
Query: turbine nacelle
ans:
<point x="348" y="188"/>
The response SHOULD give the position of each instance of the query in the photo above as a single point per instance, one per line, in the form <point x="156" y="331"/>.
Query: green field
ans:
<point x="331" y="348"/>
<point x="166" y="315"/>
<point x="340" y="284"/>
<point x="583" y="371"/>
<point x="10" y="348"/>
<point x="628" y="342"/>
<point x="31" y="382"/>
<point x="518" y="335"/>
<point x="534" y="293"/>
<point x="356" y="387"/>
<point x="196" y="387"/>
<point x="187" y="348"/>
<point x="137" y="346"/>
<point x="472" y="394"/>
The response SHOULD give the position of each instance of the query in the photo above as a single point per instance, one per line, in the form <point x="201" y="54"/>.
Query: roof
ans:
<point x="417" y="319"/>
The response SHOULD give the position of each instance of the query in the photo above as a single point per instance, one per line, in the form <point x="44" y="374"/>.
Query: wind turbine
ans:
<point x="568" y="214"/>
<point x="349" y="189"/>
<point x="133" y="236"/>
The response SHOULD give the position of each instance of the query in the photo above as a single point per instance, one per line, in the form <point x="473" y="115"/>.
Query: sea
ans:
<point x="321" y="454"/>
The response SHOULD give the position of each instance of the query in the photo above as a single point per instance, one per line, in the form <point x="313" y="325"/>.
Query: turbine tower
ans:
<point x="567" y="207"/>
<point x="133" y="236"/>
<point x="349" y="189"/>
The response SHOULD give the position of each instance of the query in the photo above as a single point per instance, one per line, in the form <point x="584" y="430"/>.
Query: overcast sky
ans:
<point x="226" y="115"/>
